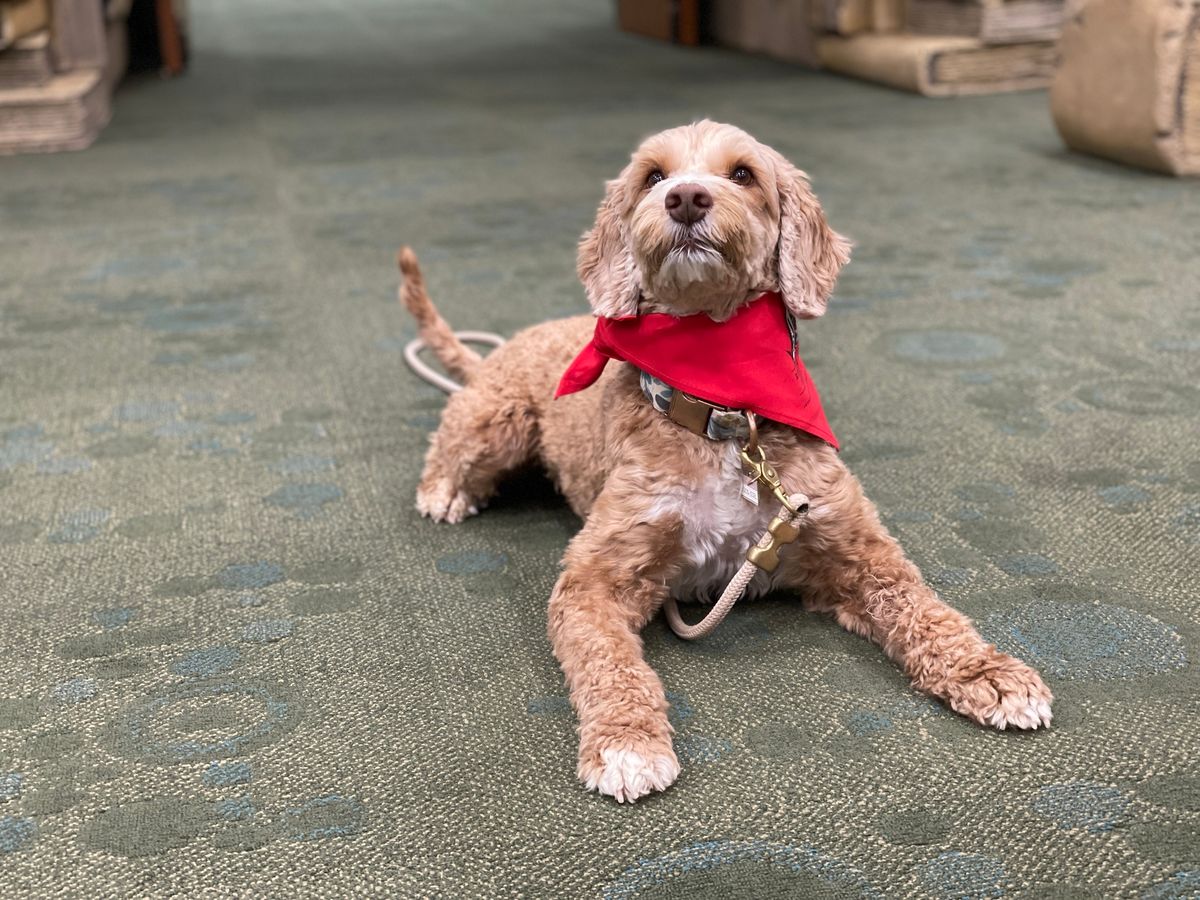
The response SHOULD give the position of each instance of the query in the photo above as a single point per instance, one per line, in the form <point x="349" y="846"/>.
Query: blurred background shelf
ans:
<point x="61" y="60"/>
<point x="932" y="47"/>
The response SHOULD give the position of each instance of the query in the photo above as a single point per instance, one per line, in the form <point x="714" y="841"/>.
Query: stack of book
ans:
<point x="941" y="47"/>
<point x="781" y="29"/>
<point x="59" y="61"/>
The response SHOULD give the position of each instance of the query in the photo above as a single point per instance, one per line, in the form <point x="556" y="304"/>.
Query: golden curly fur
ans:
<point x="661" y="506"/>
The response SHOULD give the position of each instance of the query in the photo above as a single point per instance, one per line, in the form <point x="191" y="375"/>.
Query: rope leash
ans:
<point x="784" y="529"/>
<point x="764" y="555"/>
<point x="426" y="372"/>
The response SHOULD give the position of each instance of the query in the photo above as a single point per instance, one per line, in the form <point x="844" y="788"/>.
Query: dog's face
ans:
<point x="703" y="218"/>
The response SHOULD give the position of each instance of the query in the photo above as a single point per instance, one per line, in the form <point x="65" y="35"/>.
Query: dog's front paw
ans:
<point x="997" y="690"/>
<point x="625" y="773"/>
<point x="442" y="502"/>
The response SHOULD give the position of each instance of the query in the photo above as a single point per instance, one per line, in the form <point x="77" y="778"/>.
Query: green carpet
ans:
<point x="235" y="662"/>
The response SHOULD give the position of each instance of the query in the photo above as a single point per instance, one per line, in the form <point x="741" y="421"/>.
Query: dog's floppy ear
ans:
<point x="605" y="262"/>
<point x="811" y="254"/>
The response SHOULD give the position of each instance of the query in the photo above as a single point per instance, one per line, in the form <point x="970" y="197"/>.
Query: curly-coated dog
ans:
<point x="702" y="221"/>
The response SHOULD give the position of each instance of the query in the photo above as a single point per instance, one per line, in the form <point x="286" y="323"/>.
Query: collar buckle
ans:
<point x="690" y="412"/>
<point x="710" y="420"/>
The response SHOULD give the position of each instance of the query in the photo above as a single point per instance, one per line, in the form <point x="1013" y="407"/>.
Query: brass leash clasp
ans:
<point x="781" y="531"/>
<point x="785" y="527"/>
<point x="754" y="458"/>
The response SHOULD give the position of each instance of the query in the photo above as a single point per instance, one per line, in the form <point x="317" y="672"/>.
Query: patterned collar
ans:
<point x="717" y="423"/>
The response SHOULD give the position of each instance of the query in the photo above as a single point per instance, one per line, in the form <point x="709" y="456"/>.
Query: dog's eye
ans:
<point x="654" y="178"/>
<point x="741" y="175"/>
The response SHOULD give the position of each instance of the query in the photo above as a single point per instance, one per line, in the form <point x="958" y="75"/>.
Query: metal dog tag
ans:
<point x="750" y="491"/>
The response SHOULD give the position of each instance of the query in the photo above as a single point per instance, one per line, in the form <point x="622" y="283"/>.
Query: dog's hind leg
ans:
<point x="614" y="578"/>
<point x="485" y="433"/>
<point x="850" y="566"/>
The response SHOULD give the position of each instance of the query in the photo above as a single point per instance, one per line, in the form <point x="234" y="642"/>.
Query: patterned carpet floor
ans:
<point x="234" y="660"/>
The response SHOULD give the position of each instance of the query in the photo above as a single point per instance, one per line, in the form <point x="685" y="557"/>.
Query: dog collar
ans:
<point x="748" y="363"/>
<point x="717" y="423"/>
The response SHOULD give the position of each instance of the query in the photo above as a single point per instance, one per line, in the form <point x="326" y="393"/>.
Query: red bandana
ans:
<point x="743" y="363"/>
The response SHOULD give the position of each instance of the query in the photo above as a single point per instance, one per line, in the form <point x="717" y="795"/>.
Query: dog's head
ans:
<point x="703" y="218"/>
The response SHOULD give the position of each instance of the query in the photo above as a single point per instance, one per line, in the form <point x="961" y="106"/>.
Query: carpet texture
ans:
<point x="234" y="661"/>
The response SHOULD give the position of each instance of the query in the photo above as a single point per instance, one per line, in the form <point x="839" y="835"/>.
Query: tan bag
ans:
<point x="1128" y="87"/>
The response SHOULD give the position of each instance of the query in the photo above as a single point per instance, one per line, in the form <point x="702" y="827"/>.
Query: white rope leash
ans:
<point x="426" y="372"/>
<point x="737" y="587"/>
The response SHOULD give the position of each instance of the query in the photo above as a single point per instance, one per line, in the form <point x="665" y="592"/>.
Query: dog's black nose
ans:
<point x="688" y="203"/>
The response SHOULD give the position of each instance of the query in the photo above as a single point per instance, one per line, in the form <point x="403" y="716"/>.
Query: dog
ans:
<point x="702" y="219"/>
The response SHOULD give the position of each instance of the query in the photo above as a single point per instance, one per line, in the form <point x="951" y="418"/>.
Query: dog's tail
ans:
<point x="459" y="359"/>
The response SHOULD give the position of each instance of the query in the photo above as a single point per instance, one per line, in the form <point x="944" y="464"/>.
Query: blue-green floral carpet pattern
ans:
<point x="234" y="661"/>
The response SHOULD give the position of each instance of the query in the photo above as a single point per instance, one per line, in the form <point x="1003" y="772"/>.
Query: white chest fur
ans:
<point x="720" y="525"/>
